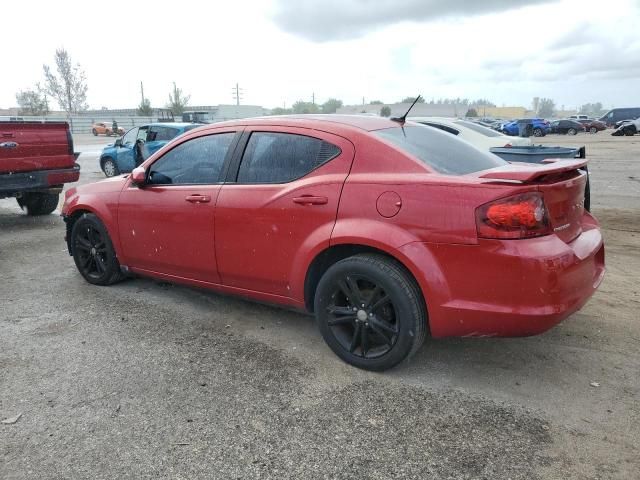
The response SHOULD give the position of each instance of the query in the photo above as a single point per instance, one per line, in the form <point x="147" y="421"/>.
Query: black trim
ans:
<point x="19" y="182"/>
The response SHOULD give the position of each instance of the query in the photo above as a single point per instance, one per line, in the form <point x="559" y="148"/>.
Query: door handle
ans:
<point x="198" y="198"/>
<point x="310" y="200"/>
<point x="8" y="145"/>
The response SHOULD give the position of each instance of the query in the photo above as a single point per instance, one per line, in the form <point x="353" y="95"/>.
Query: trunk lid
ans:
<point x="563" y="186"/>
<point x="26" y="147"/>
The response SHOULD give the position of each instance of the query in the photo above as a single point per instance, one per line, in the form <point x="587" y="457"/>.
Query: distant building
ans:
<point x="419" y="109"/>
<point x="502" y="112"/>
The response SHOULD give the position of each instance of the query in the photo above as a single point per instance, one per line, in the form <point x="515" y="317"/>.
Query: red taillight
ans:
<point x="519" y="216"/>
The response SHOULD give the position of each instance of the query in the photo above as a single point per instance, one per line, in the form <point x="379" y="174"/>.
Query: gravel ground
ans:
<point x="149" y="380"/>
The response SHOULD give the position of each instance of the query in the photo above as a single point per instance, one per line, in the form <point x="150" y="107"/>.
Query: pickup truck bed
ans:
<point x="36" y="160"/>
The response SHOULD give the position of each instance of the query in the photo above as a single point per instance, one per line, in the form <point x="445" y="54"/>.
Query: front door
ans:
<point x="283" y="200"/>
<point x="167" y="225"/>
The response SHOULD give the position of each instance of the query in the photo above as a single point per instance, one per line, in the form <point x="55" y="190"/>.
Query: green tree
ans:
<point x="411" y="100"/>
<point x="331" y="105"/>
<point x="385" y="111"/>
<point x="68" y="85"/>
<point x="144" y="109"/>
<point x="305" y="107"/>
<point x="594" y="109"/>
<point x="472" y="113"/>
<point x="32" y="102"/>
<point x="482" y="102"/>
<point x="177" y="100"/>
<point x="375" y="102"/>
<point x="280" y="111"/>
<point x="546" y="107"/>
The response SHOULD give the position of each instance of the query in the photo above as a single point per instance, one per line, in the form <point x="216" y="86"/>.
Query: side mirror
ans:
<point x="139" y="176"/>
<point x="118" y="142"/>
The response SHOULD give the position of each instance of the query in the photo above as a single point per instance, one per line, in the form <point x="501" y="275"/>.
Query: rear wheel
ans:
<point x="572" y="131"/>
<point x="95" y="132"/>
<point x="629" y="131"/>
<point x="93" y="252"/>
<point x="370" y="311"/>
<point x="593" y="130"/>
<point x="537" y="132"/>
<point x="110" y="168"/>
<point x="39" y="203"/>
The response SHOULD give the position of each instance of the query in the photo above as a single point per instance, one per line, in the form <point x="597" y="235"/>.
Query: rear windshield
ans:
<point x="441" y="151"/>
<point x="487" y="132"/>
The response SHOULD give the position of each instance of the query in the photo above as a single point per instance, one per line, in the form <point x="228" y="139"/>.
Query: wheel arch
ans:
<point x="104" y="215"/>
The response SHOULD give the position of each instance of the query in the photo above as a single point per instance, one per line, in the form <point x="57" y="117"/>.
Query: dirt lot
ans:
<point x="145" y="379"/>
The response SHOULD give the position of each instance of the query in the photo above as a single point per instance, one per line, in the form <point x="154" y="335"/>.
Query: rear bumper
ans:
<point x="12" y="184"/>
<point x="514" y="287"/>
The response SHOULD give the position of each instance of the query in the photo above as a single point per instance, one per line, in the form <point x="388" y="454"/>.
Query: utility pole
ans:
<point x="313" y="97"/>
<point x="237" y="93"/>
<point x="142" y="92"/>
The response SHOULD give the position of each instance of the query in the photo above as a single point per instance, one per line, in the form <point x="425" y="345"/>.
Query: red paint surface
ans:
<point x="259" y="240"/>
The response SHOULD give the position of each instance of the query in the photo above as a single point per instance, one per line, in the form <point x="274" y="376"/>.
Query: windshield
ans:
<point x="441" y="151"/>
<point x="487" y="132"/>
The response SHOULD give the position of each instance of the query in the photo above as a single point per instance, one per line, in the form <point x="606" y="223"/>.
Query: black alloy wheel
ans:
<point x="370" y="311"/>
<point x="93" y="251"/>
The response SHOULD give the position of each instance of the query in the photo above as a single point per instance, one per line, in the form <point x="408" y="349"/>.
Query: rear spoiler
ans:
<point x="531" y="172"/>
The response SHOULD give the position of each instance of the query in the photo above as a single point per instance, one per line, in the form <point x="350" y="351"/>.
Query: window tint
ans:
<point x="162" y="134"/>
<point x="197" y="161"/>
<point x="442" y="152"/>
<point x="282" y="157"/>
<point x="487" y="132"/>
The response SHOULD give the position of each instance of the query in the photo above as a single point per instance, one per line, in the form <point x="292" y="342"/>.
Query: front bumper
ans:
<point x="12" y="184"/>
<point x="513" y="287"/>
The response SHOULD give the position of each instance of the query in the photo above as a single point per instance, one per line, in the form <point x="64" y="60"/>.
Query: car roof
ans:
<point x="319" y="121"/>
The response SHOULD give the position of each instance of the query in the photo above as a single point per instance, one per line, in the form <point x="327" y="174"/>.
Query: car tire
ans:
<point x="593" y="130"/>
<point x="109" y="167"/>
<point x="537" y="132"/>
<point x="391" y="325"/>
<point x="629" y="132"/>
<point x="39" y="203"/>
<point x="572" y="131"/>
<point x="95" y="132"/>
<point x="93" y="252"/>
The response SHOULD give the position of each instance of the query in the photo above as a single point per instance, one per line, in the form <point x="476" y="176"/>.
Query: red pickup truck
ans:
<point x="36" y="159"/>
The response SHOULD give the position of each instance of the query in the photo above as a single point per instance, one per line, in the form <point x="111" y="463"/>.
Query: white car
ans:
<point x="477" y="135"/>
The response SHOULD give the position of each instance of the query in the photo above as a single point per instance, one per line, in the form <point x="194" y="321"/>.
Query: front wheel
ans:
<point x="110" y="168"/>
<point x="593" y="130"/>
<point x="95" y="132"/>
<point x="370" y="311"/>
<point x="629" y="132"/>
<point x="537" y="132"/>
<point x="93" y="252"/>
<point x="38" y="203"/>
<point x="572" y="131"/>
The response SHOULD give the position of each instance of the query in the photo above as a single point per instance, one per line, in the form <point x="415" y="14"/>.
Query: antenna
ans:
<point x="403" y="118"/>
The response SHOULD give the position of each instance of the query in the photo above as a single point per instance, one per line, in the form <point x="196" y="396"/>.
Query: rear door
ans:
<point x="280" y="202"/>
<point x="167" y="226"/>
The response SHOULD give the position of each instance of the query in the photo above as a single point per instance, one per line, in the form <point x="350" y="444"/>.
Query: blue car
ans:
<point x="138" y="144"/>
<point x="540" y="126"/>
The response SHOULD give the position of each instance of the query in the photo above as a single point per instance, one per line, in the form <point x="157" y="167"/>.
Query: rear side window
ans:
<point x="196" y="161"/>
<point x="282" y="157"/>
<point x="440" y="151"/>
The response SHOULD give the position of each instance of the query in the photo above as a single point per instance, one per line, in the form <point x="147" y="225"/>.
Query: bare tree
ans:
<point x="546" y="107"/>
<point x="69" y="85"/>
<point x="177" y="100"/>
<point x="32" y="102"/>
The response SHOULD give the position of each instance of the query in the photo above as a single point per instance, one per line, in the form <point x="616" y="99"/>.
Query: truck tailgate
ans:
<point x="34" y="146"/>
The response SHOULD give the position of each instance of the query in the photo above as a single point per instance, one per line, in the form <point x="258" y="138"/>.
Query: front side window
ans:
<point x="130" y="137"/>
<point x="440" y="151"/>
<point x="282" y="157"/>
<point x="196" y="161"/>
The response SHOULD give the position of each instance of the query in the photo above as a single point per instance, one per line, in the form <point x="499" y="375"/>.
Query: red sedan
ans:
<point x="385" y="230"/>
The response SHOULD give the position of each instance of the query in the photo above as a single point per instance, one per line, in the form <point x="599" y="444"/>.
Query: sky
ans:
<point x="280" y="51"/>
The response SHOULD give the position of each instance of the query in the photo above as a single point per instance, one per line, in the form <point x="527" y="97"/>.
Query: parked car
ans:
<point x="36" y="160"/>
<point x="593" y="126"/>
<point x="618" y="114"/>
<point x="478" y="135"/>
<point x="566" y="127"/>
<point x="385" y="230"/>
<point x="627" y="127"/>
<point x="540" y="126"/>
<point x="578" y="117"/>
<point x="137" y="145"/>
<point x="105" y="128"/>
